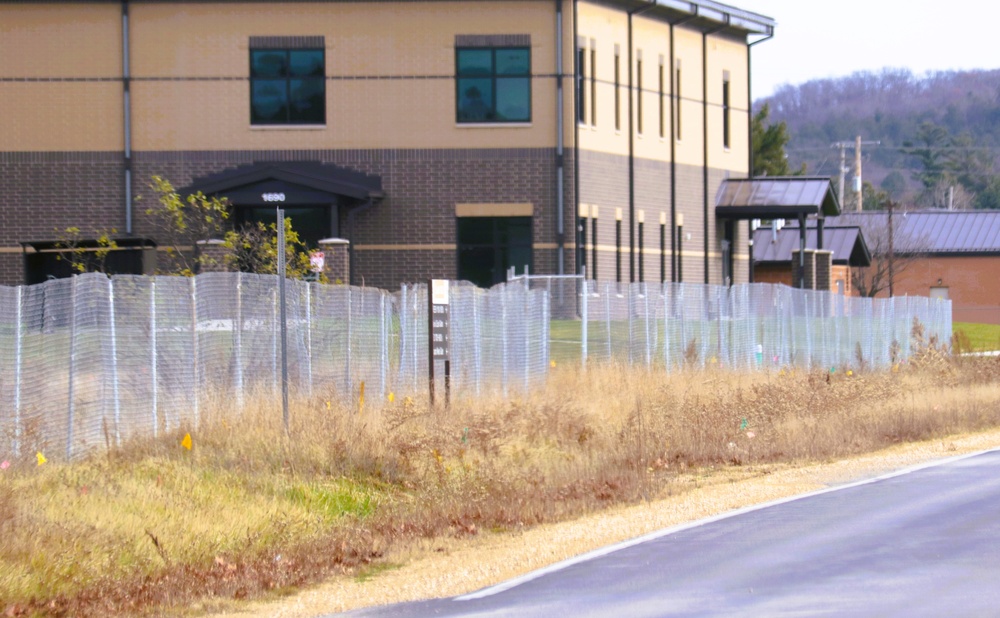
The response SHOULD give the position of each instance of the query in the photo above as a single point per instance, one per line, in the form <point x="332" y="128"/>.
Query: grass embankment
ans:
<point x="248" y="512"/>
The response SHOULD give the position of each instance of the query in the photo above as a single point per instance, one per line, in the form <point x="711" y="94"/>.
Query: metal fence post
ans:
<point x="114" y="362"/>
<point x="72" y="366"/>
<point x="383" y="347"/>
<point x="18" y="360"/>
<point x="152" y="353"/>
<point x="607" y="318"/>
<point x="503" y="342"/>
<point x="238" y="342"/>
<point x="194" y="345"/>
<point x="583" y="327"/>
<point x="309" y="321"/>
<point x="347" y="372"/>
<point x="477" y="335"/>
<point x="645" y="295"/>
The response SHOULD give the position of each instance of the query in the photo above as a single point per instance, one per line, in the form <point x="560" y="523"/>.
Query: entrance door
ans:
<point x="312" y="223"/>
<point x="488" y="246"/>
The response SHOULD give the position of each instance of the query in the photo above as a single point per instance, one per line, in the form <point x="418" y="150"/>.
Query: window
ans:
<point x="583" y="242"/>
<point x="581" y="86"/>
<point x="663" y="249"/>
<point x="593" y="85"/>
<point x="725" y="112"/>
<point x="618" y="98"/>
<point x="488" y="246"/>
<point x="642" y="255"/>
<point x="663" y="124"/>
<point x="593" y="246"/>
<point x="618" y="250"/>
<point x="493" y="84"/>
<point x="677" y="101"/>
<point x="638" y="94"/>
<point x="287" y="86"/>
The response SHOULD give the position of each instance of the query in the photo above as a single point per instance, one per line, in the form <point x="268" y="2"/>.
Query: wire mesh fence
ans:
<point x="93" y="361"/>
<point x="743" y="327"/>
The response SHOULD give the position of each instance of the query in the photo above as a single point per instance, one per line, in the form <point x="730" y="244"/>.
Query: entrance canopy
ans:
<point x="778" y="197"/>
<point x="292" y="183"/>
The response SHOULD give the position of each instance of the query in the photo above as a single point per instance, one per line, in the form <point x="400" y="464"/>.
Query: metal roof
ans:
<point x="776" y="197"/>
<point x="706" y="14"/>
<point x="938" y="231"/>
<point x="847" y="243"/>
<point x="323" y="177"/>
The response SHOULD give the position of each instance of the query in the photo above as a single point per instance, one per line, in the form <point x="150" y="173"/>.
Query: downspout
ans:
<point x="704" y="130"/>
<point x="127" y="120"/>
<point x="673" y="150"/>
<point x="770" y="34"/>
<point x="560" y="198"/>
<point x="576" y="152"/>
<point x="631" y="147"/>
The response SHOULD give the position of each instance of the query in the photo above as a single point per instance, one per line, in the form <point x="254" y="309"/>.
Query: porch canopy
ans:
<point x="779" y="197"/>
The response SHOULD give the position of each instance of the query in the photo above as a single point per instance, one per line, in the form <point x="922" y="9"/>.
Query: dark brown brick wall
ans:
<point x="42" y="193"/>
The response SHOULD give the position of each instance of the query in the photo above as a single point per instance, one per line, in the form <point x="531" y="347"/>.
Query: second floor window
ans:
<point x="287" y="86"/>
<point x="493" y="84"/>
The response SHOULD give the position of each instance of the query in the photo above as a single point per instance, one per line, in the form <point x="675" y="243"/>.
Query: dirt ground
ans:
<point x="443" y="568"/>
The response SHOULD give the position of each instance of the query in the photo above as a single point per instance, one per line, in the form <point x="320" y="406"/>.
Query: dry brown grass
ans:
<point x="251" y="512"/>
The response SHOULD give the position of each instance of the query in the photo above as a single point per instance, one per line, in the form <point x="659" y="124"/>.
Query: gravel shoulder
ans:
<point x="441" y="568"/>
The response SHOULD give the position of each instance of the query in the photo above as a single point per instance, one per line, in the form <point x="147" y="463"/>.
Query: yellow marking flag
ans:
<point x="41" y="458"/>
<point x="186" y="442"/>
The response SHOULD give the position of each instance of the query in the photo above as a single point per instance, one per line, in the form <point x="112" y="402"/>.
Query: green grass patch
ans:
<point x="980" y="337"/>
<point x="372" y="571"/>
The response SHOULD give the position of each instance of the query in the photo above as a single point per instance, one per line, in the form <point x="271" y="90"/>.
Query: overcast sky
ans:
<point x="815" y="39"/>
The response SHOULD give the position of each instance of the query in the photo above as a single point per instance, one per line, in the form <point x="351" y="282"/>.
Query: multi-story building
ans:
<point x="446" y="139"/>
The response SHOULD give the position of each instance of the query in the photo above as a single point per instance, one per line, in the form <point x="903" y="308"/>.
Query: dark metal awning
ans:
<point x="847" y="244"/>
<point x="289" y="183"/>
<point x="776" y="197"/>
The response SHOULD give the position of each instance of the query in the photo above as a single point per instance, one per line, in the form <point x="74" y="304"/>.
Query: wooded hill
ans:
<point x="937" y="131"/>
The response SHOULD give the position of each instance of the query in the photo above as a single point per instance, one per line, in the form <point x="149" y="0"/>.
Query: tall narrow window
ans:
<point x="593" y="246"/>
<point x="725" y="110"/>
<point x="593" y="85"/>
<point x="663" y="249"/>
<point x="618" y="82"/>
<point x="618" y="249"/>
<point x="663" y="116"/>
<point x="493" y="84"/>
<point x="583" y="242"/>
<point x="638" y="94"/>
<point x="642" y="255"/>
<point x="677" y="101"/>
<point x="581" y="86"/>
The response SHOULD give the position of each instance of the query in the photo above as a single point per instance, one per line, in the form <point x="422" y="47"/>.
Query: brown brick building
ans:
<point x="442" y="139"/>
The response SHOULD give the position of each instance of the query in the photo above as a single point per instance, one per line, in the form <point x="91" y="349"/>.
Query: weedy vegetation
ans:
<point x="251" y="512"/>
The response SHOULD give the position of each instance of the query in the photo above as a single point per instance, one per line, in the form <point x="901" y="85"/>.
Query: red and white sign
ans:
<point x="317" y="260"/>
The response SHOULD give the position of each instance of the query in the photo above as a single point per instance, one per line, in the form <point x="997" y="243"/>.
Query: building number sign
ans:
<point x="440" y="319"/>
<point x="272" y="197"/>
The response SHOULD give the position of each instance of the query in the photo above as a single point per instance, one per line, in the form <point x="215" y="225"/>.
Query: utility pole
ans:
<point x="857" y="168"/>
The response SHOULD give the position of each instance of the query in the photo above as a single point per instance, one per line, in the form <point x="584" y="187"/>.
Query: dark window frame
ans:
<point x="725" y="114"/>
<point x="581" y="85"/>
<point x="593" y="87"/>
<point x="642" y="254"/>
<point x="638" y="95"/>
<point x="493" y="77"/>
<point x="288" y="79"/>
<point x="497" y="244"/>
<point x="618" y="98"/>
<point x="663" y="116"/>
<point x="677" y="102"/>
<point x="618" y="250"/>
<point x="593" y="248"/>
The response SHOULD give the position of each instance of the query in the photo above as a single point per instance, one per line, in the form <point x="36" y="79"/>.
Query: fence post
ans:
<point x="72" y="366"/>
<point x="238" y="342"/>
<point x="477" y="336"/>
<point x="274" y="341"/>
<point x="309" y="363"/>
<point x="607" y="318"/>
<point x="152" y="352"/>
<point x="383" y="347"/>
<point x="194" y="342"/>
<point x="503" y="341"/>
<point x="114" y="362"/>
<point x="583" y="328"/>
<point x="18" y="359"/>
<point x="526" y="321"/>
<point x="347" y="372"/>
<point x="645" y="295"/>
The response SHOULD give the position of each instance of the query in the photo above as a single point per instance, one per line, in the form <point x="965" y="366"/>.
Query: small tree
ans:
<point x="768" y="143"/>
<point x="893" y="250"/>
<point x="84" y="257"/>
<point x="184" y="223"/>
<point x="254" y="249"/>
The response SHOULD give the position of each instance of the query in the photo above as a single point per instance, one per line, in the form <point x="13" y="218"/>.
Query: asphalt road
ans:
<point x="921" y="542"/>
